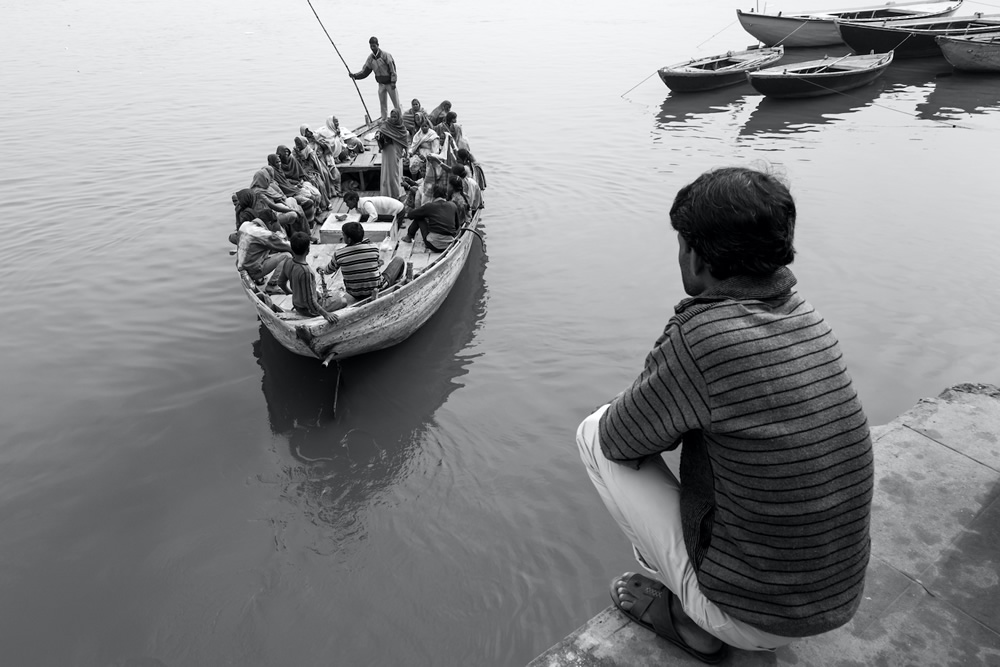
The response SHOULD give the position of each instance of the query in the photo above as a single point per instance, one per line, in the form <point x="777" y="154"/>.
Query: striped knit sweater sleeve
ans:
<point x="776" y="462"/>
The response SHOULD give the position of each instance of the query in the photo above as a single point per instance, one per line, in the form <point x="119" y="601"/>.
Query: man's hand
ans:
<point x="331" y="318"/>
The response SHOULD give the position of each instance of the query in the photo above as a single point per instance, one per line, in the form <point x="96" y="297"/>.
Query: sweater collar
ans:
<point x="742" y="288"/>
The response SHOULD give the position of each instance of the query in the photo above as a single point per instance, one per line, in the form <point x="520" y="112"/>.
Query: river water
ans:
<point x="176" y="489"/>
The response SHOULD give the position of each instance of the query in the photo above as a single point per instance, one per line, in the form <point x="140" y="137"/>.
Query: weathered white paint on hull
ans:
<point x="789" y="31"/>
<point x="971" y="55"/>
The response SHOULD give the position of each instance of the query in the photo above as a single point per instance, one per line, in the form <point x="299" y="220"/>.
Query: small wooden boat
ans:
<point x="972" y="53"/>
<point x="913" y="39"/>
<point x="819" y="77"/>
<point x="389" y="316"/>
<point x="718" y="71"/>
<point x="816" y="28"/>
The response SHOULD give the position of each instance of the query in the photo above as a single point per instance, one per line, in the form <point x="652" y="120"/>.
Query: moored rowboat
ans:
<point x="817" y="28"/>
<point x="387" y="317"/>
<point x="718" y="71"/>
<point x="972" y="53"/>
<point x="819" y="77"/>
<point x="913" y="39"/>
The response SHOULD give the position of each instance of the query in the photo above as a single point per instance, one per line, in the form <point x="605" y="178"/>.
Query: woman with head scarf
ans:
<point x="437" y="115"/>
<point x="267" y="196"/>
<point x="314" y="170"/>
<point x="324" y="155"/>
<point x="394" y="140"/>
<point x="425" y="141"/>
<point x="409" y="121"/>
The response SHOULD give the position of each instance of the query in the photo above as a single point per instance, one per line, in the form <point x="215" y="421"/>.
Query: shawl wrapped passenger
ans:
<point x="286" y="186"/>
<point x="290" y="168"/>
<point x="246" y="203"/>
<point x="439" y="112"/>
<point x="394" y="130"/>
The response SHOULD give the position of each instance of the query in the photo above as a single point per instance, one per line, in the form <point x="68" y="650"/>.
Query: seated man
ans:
<point x="359" y="262"/>
<point x="382" y="209"/>
<point x="437" y="220"/>
<point x="765" y="536"/>
<point x="299" y="275"/>
<point x="262" y="250"/>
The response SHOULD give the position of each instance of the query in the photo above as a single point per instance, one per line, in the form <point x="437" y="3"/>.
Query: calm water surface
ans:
<point x="175" y="489"/>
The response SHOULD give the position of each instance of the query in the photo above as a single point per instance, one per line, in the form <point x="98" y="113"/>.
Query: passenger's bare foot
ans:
<point x="661" y="612"/>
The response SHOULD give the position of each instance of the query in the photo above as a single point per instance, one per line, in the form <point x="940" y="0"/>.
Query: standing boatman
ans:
<point x="384" y="66"/>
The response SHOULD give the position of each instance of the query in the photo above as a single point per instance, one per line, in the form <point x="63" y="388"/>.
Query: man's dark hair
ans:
<point x="351" y="198"/>
<point x="353" y="232"/>
<point x="299" y="242"/>
<point x="740" y="221"/>
<point x="440" y="191"/>
<point x="459" y="170"/>
<point x="456" y="183"/>
<point x="373" y="40"/>
<point x="450" y="117"/>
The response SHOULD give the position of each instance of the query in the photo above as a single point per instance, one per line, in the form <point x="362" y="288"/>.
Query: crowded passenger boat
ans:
<point x="348" y="241"/>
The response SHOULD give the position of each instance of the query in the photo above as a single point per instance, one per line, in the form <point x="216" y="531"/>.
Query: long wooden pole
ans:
<point x="368" y="118"/>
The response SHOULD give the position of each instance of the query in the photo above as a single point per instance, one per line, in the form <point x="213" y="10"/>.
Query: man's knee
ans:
<point x="587" y="439"/>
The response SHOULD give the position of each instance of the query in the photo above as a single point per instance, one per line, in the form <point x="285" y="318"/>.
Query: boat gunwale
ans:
<point x="884" y="60"/>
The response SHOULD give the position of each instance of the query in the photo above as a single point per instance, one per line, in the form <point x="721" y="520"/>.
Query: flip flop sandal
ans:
<point x="648" y="592"/>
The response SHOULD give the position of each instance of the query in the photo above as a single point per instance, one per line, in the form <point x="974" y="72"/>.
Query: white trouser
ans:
<point x="646" y="503"/>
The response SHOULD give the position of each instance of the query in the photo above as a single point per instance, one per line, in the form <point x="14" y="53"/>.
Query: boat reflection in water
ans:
<point x="779" y="116"/>
<point x="384" y="402"/>
<point x="958" y="94"/>
<point x="693" y="112"/>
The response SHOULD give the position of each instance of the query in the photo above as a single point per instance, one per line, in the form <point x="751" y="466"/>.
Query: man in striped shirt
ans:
<point x="359" y="263"/>
<point x="764" y="538"/>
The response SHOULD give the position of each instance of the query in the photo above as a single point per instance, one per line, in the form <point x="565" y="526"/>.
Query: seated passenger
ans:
<point x="381" y="209"/>
<point x="324" y="155"/>
<point x="437" y="115"/>
<point x="266" y="196"/>
<point x="262" y="251"/>
<point x="425" y="140"/>
<point x="350" y="141"/>
<point x="471" y="188"/>
<point x="438" y="221"/>
<point x="456" y="195"/>
<point x="466" y="159"/>
<point x="297" y="273"/>
<point x="409" y="116"/>
<point x="451" y="126"/>
<point x="314" y="170"/>
<point x="300" y="191"/>
<point x="359" y="261"/>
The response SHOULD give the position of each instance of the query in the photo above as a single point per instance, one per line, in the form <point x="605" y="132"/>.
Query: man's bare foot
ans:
<point x="659" y="615"/>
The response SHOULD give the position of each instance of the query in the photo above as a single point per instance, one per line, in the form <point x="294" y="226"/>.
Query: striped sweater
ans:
<point x="359" y="264"/>
<point x="776" y="460"/>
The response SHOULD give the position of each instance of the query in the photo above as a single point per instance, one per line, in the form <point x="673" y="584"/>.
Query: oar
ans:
<point x="745" y="63"/>
<point x="368" y="118"/>
<point x="832" y="64"/>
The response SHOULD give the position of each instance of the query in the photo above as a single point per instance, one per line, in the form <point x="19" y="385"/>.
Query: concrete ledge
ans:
<point x="932" y="595"/>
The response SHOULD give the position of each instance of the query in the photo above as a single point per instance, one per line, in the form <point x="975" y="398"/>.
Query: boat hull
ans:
<point x="689" y="78"/>
<point x="906" y="43"/>
<point x="971" y="55"/>
<point x="794" y="31"/>
<point x="775" y="83"/>
<point x="373" y="325"/>
<point x="789" y="31"/>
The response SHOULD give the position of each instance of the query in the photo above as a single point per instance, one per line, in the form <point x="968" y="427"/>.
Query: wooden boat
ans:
<point x="819" y="77"/>
<point x="387" y="317"/>
<point x="718" y="71"/>
<point x="913" y="39"/>
<point x="816" y="28"/>
<point x="972" y="53"/>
